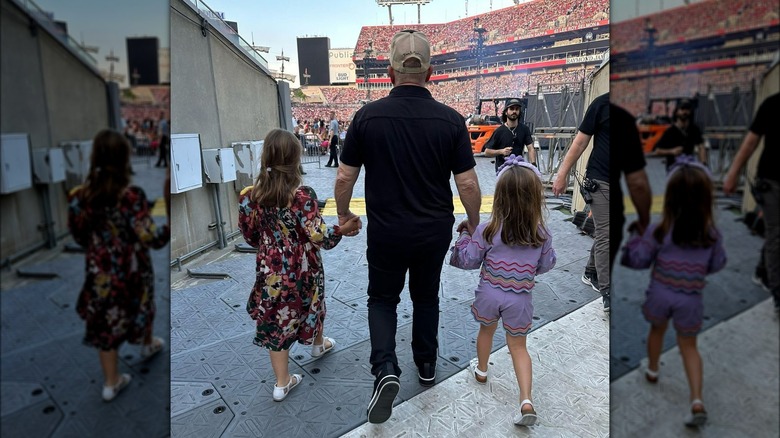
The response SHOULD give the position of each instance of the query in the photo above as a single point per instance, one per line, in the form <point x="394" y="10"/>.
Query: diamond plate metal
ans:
<point x="38" y="419"/>
<point x="459" y="407"/>
<point x="329" y="409"/>
<point x="19" y="395"/>
<point x="209" y="420"/>
<point x="186" y="396"/>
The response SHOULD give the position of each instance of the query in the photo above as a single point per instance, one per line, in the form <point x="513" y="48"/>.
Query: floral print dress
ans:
<point x="117" y="299"/>
<point x="288" y="297"/>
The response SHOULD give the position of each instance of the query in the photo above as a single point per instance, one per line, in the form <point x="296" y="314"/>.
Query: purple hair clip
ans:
<point x="682" y="161"/>
<point x="517" y="160"/>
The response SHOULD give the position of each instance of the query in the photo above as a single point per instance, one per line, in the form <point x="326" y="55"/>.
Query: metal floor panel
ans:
<point x="566" y="404"/>
<point x="37" y="420"/>
<point x="209" y="420"/>
<point x="18" y="395"/>
<point x="740" y="384"/>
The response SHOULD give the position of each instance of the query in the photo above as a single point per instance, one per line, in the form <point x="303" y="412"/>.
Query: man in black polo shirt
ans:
<point x="511" y="137"/>
<point x="766" y="187"/>
<point x="595" y="123"/>
<point x="409" y="144"/>
<point x="683" y="137"/>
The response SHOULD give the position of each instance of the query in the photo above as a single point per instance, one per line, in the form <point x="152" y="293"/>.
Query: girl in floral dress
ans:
<point x="282" y="221"/>
<point x="111" y="220"/>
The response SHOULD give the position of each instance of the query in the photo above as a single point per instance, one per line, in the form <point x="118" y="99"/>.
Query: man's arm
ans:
<point x="702" y="150"/>
<point x="470" y="195"/>
<point x="346" y="177"/>
<point x="747" y="148"/>
<point x="578" y="146"/>
<point x="531" y="153"/>
<point x="641" y="196"/>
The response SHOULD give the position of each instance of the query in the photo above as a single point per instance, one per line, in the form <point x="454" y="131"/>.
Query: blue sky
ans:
<point x="276" y="23"/>
<point x="98" y="24"/>
<point x="278" y="27"/>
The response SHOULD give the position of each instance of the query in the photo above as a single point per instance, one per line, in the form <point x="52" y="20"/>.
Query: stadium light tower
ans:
<point x="390" y="3"/>
<point x="111" y="58"/>
<point x="480" y="31"/>
<point x="282" y="58"/>
<point x="650" y="30"/>
<point x="368" y="54"/>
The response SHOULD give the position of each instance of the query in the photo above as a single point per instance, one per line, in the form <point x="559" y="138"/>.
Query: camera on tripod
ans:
<point x="587" y="187"/>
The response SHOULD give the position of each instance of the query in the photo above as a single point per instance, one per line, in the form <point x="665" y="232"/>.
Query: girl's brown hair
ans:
<point x="109" y="170"/>
<point x="688" y="209"/>
<point x="279" y="172"/>
<point x="517" y="208"/>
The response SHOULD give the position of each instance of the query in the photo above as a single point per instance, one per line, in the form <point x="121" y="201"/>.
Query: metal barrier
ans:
<point x="312" y="149"/>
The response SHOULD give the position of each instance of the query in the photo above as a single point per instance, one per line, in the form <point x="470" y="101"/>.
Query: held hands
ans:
<point x="466" y="226"/>
<point x="350" y="224"/>
<point x="637" y="227"/>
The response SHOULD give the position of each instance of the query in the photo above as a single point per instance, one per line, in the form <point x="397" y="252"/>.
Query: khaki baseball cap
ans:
<point x="409" y="44"/>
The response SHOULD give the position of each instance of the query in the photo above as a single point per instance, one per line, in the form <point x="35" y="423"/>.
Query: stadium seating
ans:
<point x="697" y="20"/>
<point x="524" y="20"/>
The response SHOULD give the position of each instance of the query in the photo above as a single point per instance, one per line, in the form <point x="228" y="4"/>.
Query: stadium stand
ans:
<point x="699" y="20"/>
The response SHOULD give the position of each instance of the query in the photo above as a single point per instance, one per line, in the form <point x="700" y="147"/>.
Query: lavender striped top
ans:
<point x="676" y="268"/>
<point x="504" y="267"/>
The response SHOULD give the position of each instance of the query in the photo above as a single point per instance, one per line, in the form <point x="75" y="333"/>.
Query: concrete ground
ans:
<point x="50" y="382"/>
<point x="222" y="383"/>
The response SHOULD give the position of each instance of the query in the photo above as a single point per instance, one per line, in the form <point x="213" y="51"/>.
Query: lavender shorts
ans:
<point x="516" y="310"/>
<point x="686" y="309"/>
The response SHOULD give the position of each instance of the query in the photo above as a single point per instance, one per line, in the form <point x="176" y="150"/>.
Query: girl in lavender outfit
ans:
<point x="682" y="250"/>
<point x="512" y="248"/>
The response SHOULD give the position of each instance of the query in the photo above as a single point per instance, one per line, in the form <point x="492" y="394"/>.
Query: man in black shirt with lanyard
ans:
<point x="682" y="138"/>
<point x="511" y="137"/>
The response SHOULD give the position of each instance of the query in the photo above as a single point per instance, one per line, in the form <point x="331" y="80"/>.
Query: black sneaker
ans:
<point x="605" y="301"/>
<point x="591" y="279"/>
<point x="380" y="408"/>
<point x="427" y="374"/>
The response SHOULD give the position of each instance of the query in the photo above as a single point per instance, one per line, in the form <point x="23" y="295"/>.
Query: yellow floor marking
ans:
<point x="656" y="208"/>
<point x="159" y="207"/>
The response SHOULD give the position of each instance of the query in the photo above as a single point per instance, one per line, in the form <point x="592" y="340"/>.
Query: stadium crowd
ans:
<point x="697" y="20"/>
<point x="631" y="94"/>
<point x="457" y="93"/>
<point x="523" y="20"/>
<point x="141" y="116"/>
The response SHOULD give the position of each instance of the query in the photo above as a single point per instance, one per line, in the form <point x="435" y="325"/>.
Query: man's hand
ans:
<point x="560" y="184"/>
<point x="676" y="151"/>
<point x="730" y="182"/>
<point x="351" y="223"/>
<point x="507" y="151"/>
<point x="350" y="227"/>
<point x="636" y="226"/>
